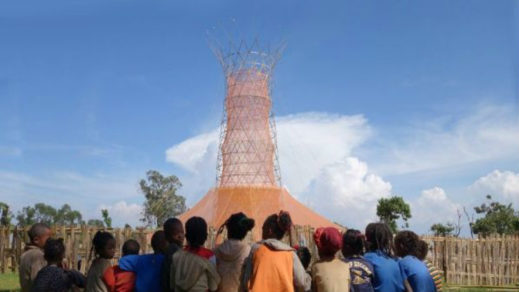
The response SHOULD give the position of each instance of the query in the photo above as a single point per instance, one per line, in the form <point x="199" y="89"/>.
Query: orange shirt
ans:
<point x="118" y="280"/>
<point x="272" y="270"/>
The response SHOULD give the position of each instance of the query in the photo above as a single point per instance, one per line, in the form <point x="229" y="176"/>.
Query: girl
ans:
<point x="196" y="235"/>
<point x="361" y="271"/>
<point x="273" y="265"/>
<point x="414" y="270"/>
<point x="387" y="272"/>
<point x="53" y="278"/>
<point x="103" y="244"/>
<point x="329" y="273"/>
<point x="231" y="254"/>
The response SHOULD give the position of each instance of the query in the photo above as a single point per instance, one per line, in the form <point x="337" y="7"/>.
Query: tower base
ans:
<point x="257" y="202"/>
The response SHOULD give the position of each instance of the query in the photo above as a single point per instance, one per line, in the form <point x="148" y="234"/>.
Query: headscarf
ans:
<point x="328" y="240"/>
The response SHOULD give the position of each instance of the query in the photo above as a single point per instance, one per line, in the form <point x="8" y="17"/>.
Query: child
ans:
<point x="304" y="255"/>
<point x="231" y="254"/>
<point x="329" y="274"/>
<point x="147" y="267"/>
<point x="413" y="269"/>
<point x="191" y="269"/>
<point x="32" y="259"/>
<point x="53" y="278"/>
<point x="273" y="265"/>
<point x="117" y="279"/>
<point x="361" y="271"/>
<point x="103" y="244"/>
<point x="196" y="235"/>
<point x="174" y="232"/>
<point x="423" y="249"/>
<point x="387" y="271"/>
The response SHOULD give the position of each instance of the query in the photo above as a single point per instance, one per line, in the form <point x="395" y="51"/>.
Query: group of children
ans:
<point x="374" y="261"/>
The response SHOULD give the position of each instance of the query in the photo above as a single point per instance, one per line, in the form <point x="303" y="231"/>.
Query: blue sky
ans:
<point x="92" y="94"/>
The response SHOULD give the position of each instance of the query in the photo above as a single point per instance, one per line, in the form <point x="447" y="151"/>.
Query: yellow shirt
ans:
<point x="331" y="276"/>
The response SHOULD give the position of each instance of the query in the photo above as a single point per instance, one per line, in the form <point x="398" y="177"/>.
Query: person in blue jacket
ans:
<point x="387" y="275"/>
<point x="413" y="270"/>
<point x="147" y="268"/>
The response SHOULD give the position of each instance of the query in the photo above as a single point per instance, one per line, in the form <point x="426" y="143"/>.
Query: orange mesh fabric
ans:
<point x="257" y="202"/>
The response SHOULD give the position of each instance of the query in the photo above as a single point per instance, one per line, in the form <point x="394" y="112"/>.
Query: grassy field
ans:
<point x="9" y="282"/>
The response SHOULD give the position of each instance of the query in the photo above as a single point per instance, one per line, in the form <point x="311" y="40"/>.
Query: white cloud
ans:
<point x="486" y="133"/>
<point x="346" y="192"/>
<point x="432" y="206"/>
<point x="502" y="185"/>
<point x="123" y="213"/>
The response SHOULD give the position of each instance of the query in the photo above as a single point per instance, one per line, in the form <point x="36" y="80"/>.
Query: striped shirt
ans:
<point x="436" y="274"/>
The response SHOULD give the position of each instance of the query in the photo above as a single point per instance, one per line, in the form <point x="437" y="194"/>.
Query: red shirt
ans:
<point x="201" y="251"/>
<point x="118" y="280"/>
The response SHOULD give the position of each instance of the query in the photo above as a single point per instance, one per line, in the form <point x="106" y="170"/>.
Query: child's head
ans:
<point x="174" y="231"/>
<point x="328" y="241"/>
<point x="304" y="255"/>
<point x="131" y="246"/>
<point x="196" y="231"/>
<point x="379" y="237"/>
<point x="352" y="243"/>
<point x="238" y="225"/>
<point x="39" y="233"/>
<point x="406" y="243"/>
<point x="423" y="249"/>
<point x="158" y="242"/>
<point x="54" y="251"/>
<point x="276" y="225"/>
<point x="104" y="244"/>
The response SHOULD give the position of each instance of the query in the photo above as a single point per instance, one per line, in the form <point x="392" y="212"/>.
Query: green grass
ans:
<point x="9" y="282"/>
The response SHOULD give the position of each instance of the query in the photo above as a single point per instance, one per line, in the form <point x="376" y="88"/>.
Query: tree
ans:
<point x="498" y="219"/>
<point x="391" y="209"/>
<point x="65" y="216"/>
<point x="442" y="230"/>
<point x="95" y="223"/>
<point x="106" y="218"/>
<point x="5" y="215"/>
<point x="161" y="196"/>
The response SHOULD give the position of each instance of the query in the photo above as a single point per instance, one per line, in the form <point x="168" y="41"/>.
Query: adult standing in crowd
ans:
<point x="32" y="259"/>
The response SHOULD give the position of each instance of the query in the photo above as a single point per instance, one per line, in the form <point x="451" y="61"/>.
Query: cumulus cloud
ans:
<point x="347" y="192"/>
<point x="502" y="185"/>
<point x="123" y="213"/>
<point x="432" y="206"/>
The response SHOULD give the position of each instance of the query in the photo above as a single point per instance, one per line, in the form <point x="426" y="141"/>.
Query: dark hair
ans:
<point x="406" y="243"/>
<point x="352" y="243"/>
<point x="379" y="236"/>
<point x="304" y="255"/>
<point x="54" y="250"/>
<point x="131" y="246"/>
<point x="170" y="226"/>
<point x="279" y="224"/>
<point x="196" y="231"/>
<point x="423" y="249"/>
<point x="158" y="241"/>
<point x="238" y="225"/>
<point x="100" y="240"/>
<point x="37" y="229"/>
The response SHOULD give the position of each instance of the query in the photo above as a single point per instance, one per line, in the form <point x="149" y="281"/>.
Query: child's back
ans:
<point x="417" y="274"/>
<point x="55" y="279"/>
<point x="95" y="274"/>
<point x="361" y="274"/>
<point x="118" y="280"/>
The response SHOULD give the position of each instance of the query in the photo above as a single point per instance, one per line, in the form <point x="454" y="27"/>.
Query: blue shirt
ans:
<point x="388" y="277"/>
<point x="361" y="274"/>
<point x="147" y="269"/>
<point x="417" y="274"/>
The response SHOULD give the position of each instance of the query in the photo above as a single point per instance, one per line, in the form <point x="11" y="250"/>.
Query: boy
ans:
<point x="32" y="259"/>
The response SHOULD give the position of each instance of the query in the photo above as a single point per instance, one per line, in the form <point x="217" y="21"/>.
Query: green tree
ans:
<point x="162" y="200"/>
<point x="65" y="216"/>
<point x="5" y="215"/>
<point x="497" y="219"/>
<point x="389" y="210"/>
<point x="106" y="218"/>
<point x="95" y="223"/>
<point x="440" y="229"/>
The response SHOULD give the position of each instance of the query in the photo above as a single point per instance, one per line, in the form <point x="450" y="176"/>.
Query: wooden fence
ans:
<point x="487" y="261"/>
